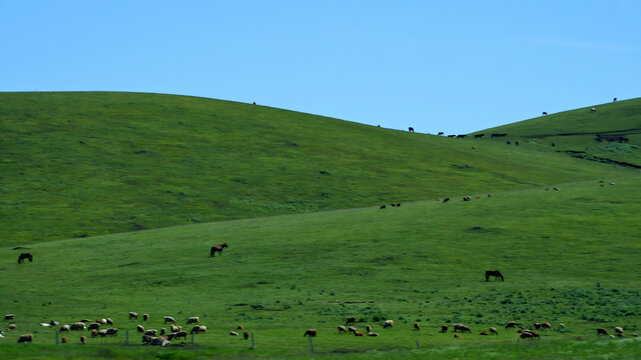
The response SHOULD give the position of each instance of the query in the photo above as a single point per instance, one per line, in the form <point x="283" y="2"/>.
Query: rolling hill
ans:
<point x="575" y="132"/>
<point x="90" y="163"/>
<point x="119" y="197"/>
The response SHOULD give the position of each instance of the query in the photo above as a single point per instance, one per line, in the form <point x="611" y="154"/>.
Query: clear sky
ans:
<point x="452" y="66"/>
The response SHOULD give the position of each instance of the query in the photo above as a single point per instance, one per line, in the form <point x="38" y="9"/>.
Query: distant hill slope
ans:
<point x="575" y="131"/>
<point x="88" y="163"/>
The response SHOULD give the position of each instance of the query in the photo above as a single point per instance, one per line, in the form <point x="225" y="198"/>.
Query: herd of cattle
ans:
<point x="164" y="337"/>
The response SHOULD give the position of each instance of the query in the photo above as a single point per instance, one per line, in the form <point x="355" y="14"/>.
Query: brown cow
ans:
<point x="25" y="338"/>
<point x="310" y="332"/>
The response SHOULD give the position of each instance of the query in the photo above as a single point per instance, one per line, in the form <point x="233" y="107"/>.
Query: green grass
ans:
<point x="569" y="256"/>
<point x="576" y="131"/>
<point x="296" y="197"/>
<point x="91" y="163"/>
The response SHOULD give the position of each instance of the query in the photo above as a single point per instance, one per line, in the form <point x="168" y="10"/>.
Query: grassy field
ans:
<point x="120" y="197"/>
<point x="574" y="132"/>
<point x="569" y="256"/>
<point x="85" y="164"/>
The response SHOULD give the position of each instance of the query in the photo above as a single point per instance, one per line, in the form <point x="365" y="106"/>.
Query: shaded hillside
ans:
<point x="81" y="164"/>
<point x="574" y="132"/>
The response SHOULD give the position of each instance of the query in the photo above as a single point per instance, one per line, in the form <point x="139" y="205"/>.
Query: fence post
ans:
<point x="192" y="338"/>
<point x="126" y="336"/>
<point x="311" y="344"/>
<point x="253" y="343"/>
<point x="56" y="337"/>
<point x="417" y="344"/>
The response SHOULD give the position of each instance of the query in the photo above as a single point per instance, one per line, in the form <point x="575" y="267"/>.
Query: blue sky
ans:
<point x="452" y="66"/>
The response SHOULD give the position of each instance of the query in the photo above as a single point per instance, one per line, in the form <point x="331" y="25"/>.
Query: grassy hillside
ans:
<point x="84" y="164"/>
<point x="574" y="131"/>
<point x="569" y="256"/>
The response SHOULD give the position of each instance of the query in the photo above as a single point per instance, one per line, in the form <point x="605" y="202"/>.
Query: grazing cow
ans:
<point x="93" y="326"/>
<point x="145" y="317"/>
<point x="372" y="334"/>
<point x="94" y="333"/>
<point x="169" y="319"/>
<point x="198" y="329"/>
<point x="516" y="143"/>
<point x="458" y="336"/>
<point x="444" y="328"/>
<point x="368" y="328"/>
<point x="556" y="188"/>
<point x="151" y="332"/>
<point x="618" y="329"/>
<point x="310" y="332"/>
<point x="233" y="333"/>
<point x="350" y="320"/>
<point x="24" y="256"/>
<point x="536" y="326"/>
<point x="479" y="135"/>
<point x="553" y="144"/>
<point x="25" y="338"/>
<point x="175" y="328"/>
<point x="440" y="133"/>
<point x="508" y="142"/>
<point x="358" y="333"/>
<point x="64" y="339"/>
<point x="614" y="100"/>
<point x="451" y="136"/>
<point x="14" y="326"/>
<point x="592" y="109"/>
<point x="9" y="316"/>
<point x="176" y="335"/>
<point x="493" y="331"/>
<point x="112" y="331"/>
<point x="388" y="324"/>
<point x="239" y="327"/>
<point x="467" y="198"/>
<point x="78" y="326"/>
<point x="462" y="328"/>
<point x="529" y="335"/>
<point x="483" y="332"/>
<point x="417" y="326"/>
<point x="601" y="331"/>
<point x="461" y="136"/>
<point x="510" y="324"/>
<point x="217" y="248"/>
<point x="140" y="328"/>
<point x="446" y="199"/>
<point x="193" y="319"/>
<point x="494" y="273"/>
<point x="342" y="329"/>
<point x="545" y="113"/>
<point x="65" y="328"/>
<point x="254" y="103"/>
<point x="410" y="129"/>
<point x="382" y="207"/>
<point x="245" y="335"/>
<point x="351" y="329"/>
<point x="133" y="315"/>
<point x="546" y="325"/>
<point x="83" y="339"/>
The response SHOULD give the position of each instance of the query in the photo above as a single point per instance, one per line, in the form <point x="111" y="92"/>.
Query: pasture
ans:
<point x="568" y="256"/>
<point x="77" y="165"/>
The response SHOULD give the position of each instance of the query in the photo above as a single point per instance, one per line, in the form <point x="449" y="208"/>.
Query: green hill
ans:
<point x="89" y="163"/>
<point x="568" y="256"/>
<point x="575" y="132"/>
